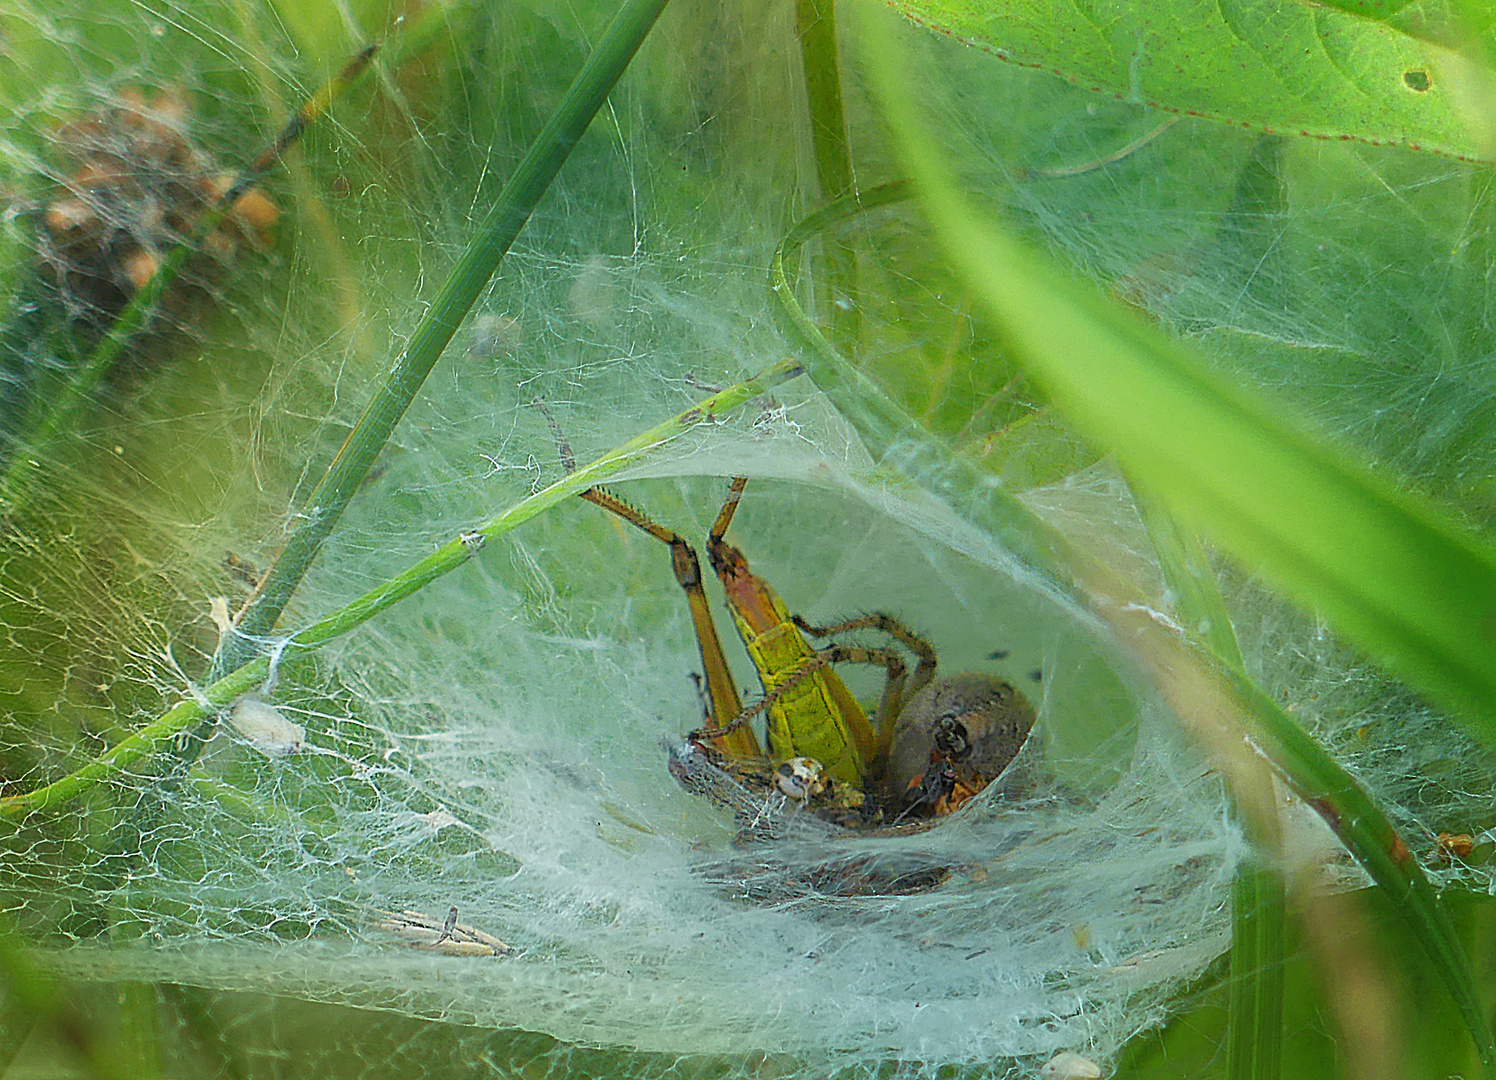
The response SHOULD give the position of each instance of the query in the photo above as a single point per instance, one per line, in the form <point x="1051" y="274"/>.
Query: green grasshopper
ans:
<point x="930" y="745"/>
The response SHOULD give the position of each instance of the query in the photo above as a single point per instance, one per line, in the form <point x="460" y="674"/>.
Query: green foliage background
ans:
<point x="1309" y="225"/>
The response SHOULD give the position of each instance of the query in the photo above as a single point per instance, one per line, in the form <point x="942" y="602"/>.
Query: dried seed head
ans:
<point x="134" y="185"/>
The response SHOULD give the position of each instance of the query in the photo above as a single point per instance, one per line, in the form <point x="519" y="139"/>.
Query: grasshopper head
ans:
<point x="802" y="778"/>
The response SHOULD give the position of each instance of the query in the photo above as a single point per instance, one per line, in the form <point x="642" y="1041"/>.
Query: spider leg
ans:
<point x="893" y="696"/>
<point x="880" y="620"/>
<point x="890" y="661"/>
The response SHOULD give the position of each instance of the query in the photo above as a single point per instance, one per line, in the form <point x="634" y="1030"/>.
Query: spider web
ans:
<point x="496" y="743"/>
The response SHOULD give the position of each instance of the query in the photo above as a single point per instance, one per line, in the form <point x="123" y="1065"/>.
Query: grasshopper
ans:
<point x="810" y="711"/>
<point x="952" y="735"/>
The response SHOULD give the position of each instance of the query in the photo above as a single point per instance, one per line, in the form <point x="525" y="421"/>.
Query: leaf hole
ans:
<point x="1417" y="80"/>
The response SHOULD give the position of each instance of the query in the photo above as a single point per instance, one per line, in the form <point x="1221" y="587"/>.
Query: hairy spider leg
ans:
<point x="811" y="714"/>
<point x="736" y="740"/>
<point x="820" y="662"/>
<point x="895" y="692"/>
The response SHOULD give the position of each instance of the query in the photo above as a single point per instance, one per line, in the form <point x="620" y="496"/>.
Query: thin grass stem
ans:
<point x="138" y="1009"/>
<point x="1254" y="1031"/>
<point x="815" y="26"/>
<point x="191" y="711"/>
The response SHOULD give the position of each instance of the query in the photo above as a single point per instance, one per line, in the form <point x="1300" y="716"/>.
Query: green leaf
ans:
<point x="1293" y="69"/>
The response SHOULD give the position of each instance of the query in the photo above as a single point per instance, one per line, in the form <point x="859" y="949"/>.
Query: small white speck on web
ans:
<point x="495" y="336"/>
<point x="438" y="819"/>
<point x="266" y="728"/>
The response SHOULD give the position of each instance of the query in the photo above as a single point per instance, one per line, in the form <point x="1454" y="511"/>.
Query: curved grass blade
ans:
<point x="530" y="180"/>
<point x="1361" y="826"/>
<point x="1255" y="722"/>
<point x="890" y="433"/>
<point x="158" y="735"/>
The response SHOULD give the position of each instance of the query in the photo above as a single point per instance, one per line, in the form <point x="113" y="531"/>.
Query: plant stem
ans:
<point x="815" y="25"/>
<point x="1254" y="1027"/>
<point x="530" y="180"/>
<point x="139" y="1010"/>
<point x="189" y="712"/>
<point x="1254" y="1031"/>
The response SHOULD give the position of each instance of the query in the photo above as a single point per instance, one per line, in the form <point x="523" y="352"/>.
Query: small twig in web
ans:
<point x="1059" y="172"/>
<point x="448" y="926"/>
<point x="568" y="459"/>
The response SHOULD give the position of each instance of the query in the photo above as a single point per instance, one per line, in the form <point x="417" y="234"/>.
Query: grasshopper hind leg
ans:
<point x="724" y="703"/>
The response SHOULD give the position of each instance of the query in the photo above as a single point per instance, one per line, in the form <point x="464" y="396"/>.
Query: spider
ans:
<point x="930" y="745"/>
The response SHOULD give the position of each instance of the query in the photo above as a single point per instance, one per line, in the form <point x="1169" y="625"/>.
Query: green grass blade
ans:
<point x="186" y="715"/>
<point x="1258" y="907"/>
<point x="815" y="25"/>
<point x="139" y="1013"/>
<point x="1391" y="571"/>
<point x="1254" y="1035"/>
<point x="1367" y="834"/>
<point x="530" y="180"/>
